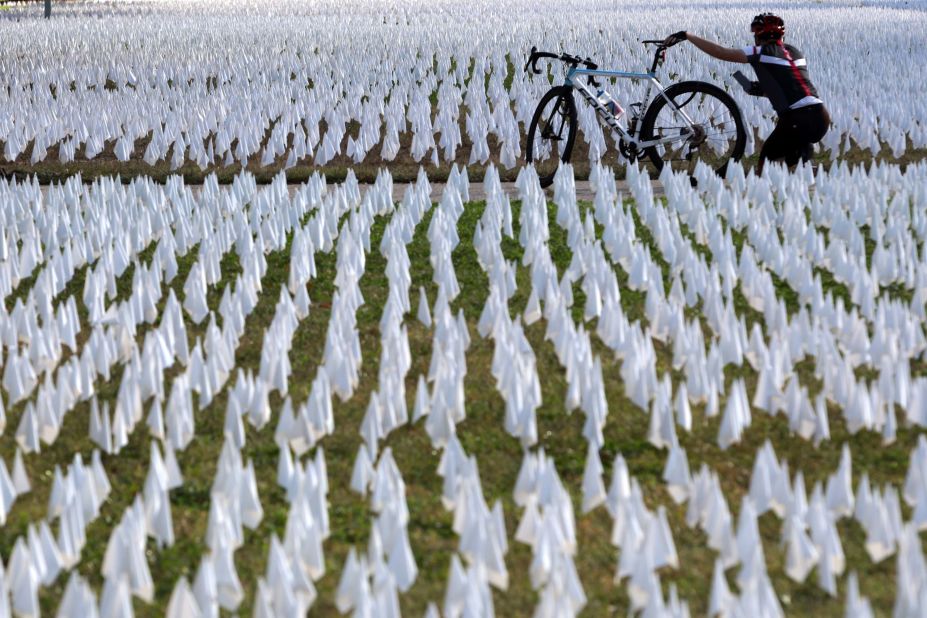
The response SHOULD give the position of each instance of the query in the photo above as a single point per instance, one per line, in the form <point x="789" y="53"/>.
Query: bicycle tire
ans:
<point x="563" y="96"/>
<point x="678" y="93"/>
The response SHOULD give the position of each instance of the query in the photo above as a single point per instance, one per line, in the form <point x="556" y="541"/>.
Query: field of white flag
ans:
<point x="201" y="84"/>
<point x="270" y="399"/>
<point x="472" y="398"/>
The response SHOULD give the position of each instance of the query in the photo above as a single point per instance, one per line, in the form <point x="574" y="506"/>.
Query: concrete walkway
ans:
<point x="583" y="190"/>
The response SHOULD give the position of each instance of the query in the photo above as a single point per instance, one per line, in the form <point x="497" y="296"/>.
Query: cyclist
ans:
<point x="783" y="78"/>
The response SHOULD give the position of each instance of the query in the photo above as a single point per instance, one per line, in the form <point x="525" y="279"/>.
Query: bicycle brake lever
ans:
<point x="530" y="58"/>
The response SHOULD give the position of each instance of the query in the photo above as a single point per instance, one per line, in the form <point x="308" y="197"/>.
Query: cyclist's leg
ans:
<point x="807" y="151"/>
<point x="795" y="134"/>
<point x="823" y="123"/>
<point x="818" y="123"/>
<point x="777" y="146"/>
<point x="811" y="124"/>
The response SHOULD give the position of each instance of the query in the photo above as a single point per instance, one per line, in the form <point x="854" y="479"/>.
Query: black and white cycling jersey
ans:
<point x="782" y="72"/>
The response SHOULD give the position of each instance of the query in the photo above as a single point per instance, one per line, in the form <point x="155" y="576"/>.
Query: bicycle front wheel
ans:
<point x="551" y="133"/>
<point x="717" y="137"/>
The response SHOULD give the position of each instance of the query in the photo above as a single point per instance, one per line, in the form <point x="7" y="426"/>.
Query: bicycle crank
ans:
<point x="628" y="150"/>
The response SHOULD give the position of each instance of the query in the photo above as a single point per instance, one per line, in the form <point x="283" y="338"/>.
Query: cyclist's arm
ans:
<point x="730" y="54"/>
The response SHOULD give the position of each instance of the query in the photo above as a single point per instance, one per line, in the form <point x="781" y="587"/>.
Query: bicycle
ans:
<point x="677" y="125"/>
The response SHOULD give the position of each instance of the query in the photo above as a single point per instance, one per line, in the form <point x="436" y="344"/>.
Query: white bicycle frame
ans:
<point x="652" y="82"/>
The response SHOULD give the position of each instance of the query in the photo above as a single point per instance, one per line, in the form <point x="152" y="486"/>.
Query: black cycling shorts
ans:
<point x="795" y="134"/>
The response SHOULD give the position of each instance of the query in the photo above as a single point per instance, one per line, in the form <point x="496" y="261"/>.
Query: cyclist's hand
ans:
<point x="677" y="37"/>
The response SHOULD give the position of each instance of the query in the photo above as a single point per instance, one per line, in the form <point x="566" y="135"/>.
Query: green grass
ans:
<point x="499" y="455"/>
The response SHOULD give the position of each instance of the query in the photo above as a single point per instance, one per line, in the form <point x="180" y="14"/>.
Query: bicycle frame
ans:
<point x="573" y="79"/>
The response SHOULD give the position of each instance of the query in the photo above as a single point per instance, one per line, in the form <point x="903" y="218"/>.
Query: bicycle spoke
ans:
<point x="551" y="137"/>
<point x="711" y="138"/>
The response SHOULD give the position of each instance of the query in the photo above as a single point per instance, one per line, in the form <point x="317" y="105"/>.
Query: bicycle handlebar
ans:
<point x="534" y="57"/>
<point x="570" y="59"/>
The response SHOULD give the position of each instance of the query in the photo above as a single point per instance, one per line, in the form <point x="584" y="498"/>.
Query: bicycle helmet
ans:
<point x="767" y="26"/>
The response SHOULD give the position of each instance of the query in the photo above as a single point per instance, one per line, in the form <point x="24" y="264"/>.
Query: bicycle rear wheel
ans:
<point x="719" y="135"/>
<point x="551" y="133"/>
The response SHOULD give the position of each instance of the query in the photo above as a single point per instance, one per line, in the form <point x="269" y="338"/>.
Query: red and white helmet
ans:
<point x="768" y="26"/>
